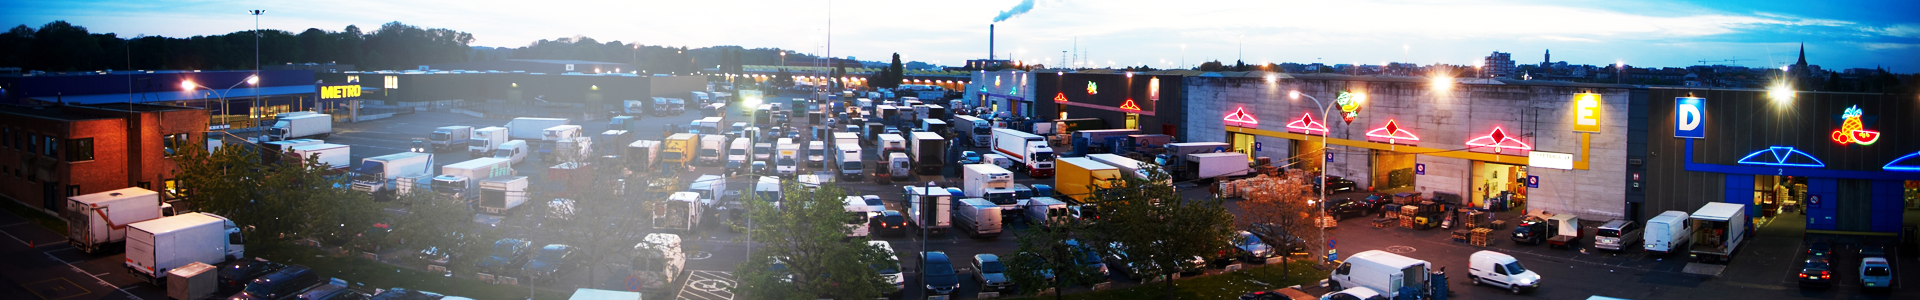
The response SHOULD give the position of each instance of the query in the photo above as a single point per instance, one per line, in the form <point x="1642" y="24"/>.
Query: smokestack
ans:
<point x="990" y="42"/>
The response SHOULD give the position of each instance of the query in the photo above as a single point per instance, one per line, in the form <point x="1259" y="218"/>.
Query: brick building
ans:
<point x="48" y="153"/>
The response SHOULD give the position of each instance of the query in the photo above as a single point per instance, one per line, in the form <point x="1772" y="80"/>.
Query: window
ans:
<point x="176" y="143"/>
<point x="80" y="149"/>
<point x="393" y="82"/>
<point x="172" y="188"/>
<point x="51" y="148"/>
<point x="353" y="78"/>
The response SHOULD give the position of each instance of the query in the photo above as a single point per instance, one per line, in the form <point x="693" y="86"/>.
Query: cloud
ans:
<point x="1024" y="7"/>
<point x="1900" y="30"/>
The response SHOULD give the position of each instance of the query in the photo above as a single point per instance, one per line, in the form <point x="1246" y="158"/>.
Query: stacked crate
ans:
<point x="1382" y="222"/>
<point x="1479" y="236"/>
<point x="1392" y="212"/>
<point x="1473" y="219"/>
<point x="1406" y="215"/>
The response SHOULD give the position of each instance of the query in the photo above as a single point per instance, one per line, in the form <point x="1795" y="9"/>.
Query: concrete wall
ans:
<point x="1541" y="115"/>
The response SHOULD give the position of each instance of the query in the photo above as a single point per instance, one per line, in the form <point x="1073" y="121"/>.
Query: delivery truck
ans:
<point x="973" y="131"/>
<point x="1095" y="141"/>
<point x="99" y="220"/>
<point x="1384" y="273"/>
<point x="159" y="245"/>
<point x="929" y="153"/>
<point x="484" y="140"/>
<point x="460" y="180"/>
<point x="989" y="182"/>
<point x="334" y="157"/>
<point x="1215" y="165"/>
<point x="1174" y="158"/>
<point x="1080" y="177"/>
<point x="377" y="174"/>
<point x="1029" y="152"/>
<point x="275" y="151"/>
<point x="500" y="194"/>
<point x="681" y="212"/>
<point x="711" y="145"/>
<point x="846" y="157"/>
<point x="977" y="217"/>
<point x="1719" y="227"/>
<point x="657" y="261"/>
<point x="1128" y="166"/>
<point x="928" y="208"/>
<point x="642" y="154"/>
<point x="447" y="138"/>
<point x="1667" y="232"/>
<point x="786" y="160"/>
<point x="515" y="151"/>
<point x="897" y="167"/>
<point x="532" y="129"/>
<point x="678" y="150"/>
<point x="302" y="126"/>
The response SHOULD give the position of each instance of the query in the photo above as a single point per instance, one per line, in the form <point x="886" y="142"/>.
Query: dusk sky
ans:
<point x="1758" y="33"/>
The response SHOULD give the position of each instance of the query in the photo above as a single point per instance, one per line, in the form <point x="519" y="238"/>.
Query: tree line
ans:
<point x="61" y="46"/>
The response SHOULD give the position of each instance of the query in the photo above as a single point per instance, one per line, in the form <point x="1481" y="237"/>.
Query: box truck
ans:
<point x="989" y="182"/>
<point x="302" y="126"/>
<point x="376" y="175"/>
<point x="1175" y="156"/>
<point x="847" y="158"/>
<point x="531" y="129"/>
<point x="642" y="154"/>
<point x="977" y="217"/>
<point x="499" y="194"/>
<point x="333" y="156"/>
<point x="611" y="141"/>
<point x="1383" y="272"/>
<point x="447" y="138"/>
<point x="681" y="212"/>
<point x="1095" y="141"/>
<point x="460" y="180"/>
<point x="98" y="220"/>
<point x="569" y="178"/>
<point x="1079" y="177"/>
<point x="974" y="131"/>
<point x="928" y="208"/>
<point x="1213" y="165"/>
<point x="158" y="245"/>
<point x="657" y="261"/>
<point x="786" y="160"/>
<point x="1030" y="152"/>
<point x="1128" y="166"/>
<point x="484" y="140"/>
<point x="1720" y="227"/>
<point x="929" y="153"/>
<point x="1667" y="232"/>
<point x="711" y="145"/>
<point x="275" y="151"/>
<point x="678" y="150"/>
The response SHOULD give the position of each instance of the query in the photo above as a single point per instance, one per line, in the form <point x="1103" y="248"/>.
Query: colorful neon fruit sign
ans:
<point x="1782" y="156"/>
<point x="1393" y="134"/>
<point x="1350" y="105"/>
<point x="1240" y="115"/>
<point x="1852" y="131"/>
<point x="1093" y="88"/>
<point x="1307" y="125"/>
<point x="1498" y="140"/>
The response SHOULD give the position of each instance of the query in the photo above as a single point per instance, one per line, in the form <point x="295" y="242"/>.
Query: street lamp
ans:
<point x="1324" y="110"/>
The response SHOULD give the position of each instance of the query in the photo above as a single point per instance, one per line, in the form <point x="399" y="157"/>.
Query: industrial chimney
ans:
<point x="990" y="42"/>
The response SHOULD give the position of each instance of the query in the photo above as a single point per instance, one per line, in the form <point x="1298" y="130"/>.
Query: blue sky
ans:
<point x="1758" y="33"/>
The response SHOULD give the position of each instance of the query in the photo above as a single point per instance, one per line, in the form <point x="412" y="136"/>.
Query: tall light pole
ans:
<point x="189" y="85"/>
<point x="1324" y="110"/>
<point x="256" y="63"/>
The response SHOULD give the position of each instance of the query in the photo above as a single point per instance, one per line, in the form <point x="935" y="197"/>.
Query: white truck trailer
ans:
<point x="928" y="208"/>
<point x="989" y="182"/>
<point x="681" y="212"/>
<point x="929" y="152"/>
<point x="977" y="217"/>
<point x="1213" y="165"/>
<point x="301" y="126"/>
<point x="333" y="156"/>
<point x="531" y="128"/>
<point x="97" y="220"/>
<point x="1719" y="227"/>
<point x="846" y="158"/>
<point x="499" y="194"/>
<point x="461" y="180"/>
<point x="158" y="245"/>
<point x="377" y="174"/>
<point x="1029" y="152"/>
<point x="484" y="140"/>
<point x="447" y="138"/>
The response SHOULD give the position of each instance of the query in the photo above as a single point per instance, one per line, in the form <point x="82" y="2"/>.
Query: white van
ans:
<point x="738" y="152"/>
<point x="1617" y="234"/>
<point x="768" y="189"/>
<point x="891" y="268"/>
<point x="816" y="153"/>
<point x="657" y="259"/>
<point x="710" y="187"/>
<point x="1046" y="211"/>
<point x="998" y="160"/>
<point x="857" y="207"/>
<point x="1381" y="271"/>
<point x="514" y="150"/>
<point x="1668" y="232"/>
<point x="1501" y="270"/>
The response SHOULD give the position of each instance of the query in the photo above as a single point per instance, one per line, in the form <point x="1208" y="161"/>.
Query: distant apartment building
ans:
<point x="1499" y="64"/>
<point x="51" y="152"/>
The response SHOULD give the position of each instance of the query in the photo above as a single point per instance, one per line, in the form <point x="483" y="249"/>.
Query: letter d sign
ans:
<point x="1689" y="117"/>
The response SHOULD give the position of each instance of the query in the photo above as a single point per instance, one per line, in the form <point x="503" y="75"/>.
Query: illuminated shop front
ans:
<point x="1847" y="161"/>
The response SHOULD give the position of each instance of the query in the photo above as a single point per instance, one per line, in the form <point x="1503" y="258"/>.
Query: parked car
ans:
<point x="1278" y="294"/>
<point x="282" y="284"/>
<point x="1530" y="232"/>
<point x="892" y="223"/>
<point x="1284" y="243"/>
<point x="1873" y="251"/>
<point x="1819" y="249"/>
<point x="970" y="157"/>
<point x="1875" y="273"/>
<point x="1501" y="270"/>
<point x="1086" y="258"/>
<point x="406" y="294"/>
<point x="334" y="291"/>
<point x="1816" y="272"/>
<point x="1250" y="248"/>
<point x="1358" y="293"/>
<point x="1337" y="184"/>
<point x="889" y="267"/>
<point x="551" y="260"/>
<point x="1120" y="258"/>
<point x="1344" y="208"/>
<point x="434" y="255"/>
<point x="1038" y="260"/>
<point x="936" y="272"/>
<point x="244" y="271"/>
<point x="507" y="254"/>
<point x="991" y="274"/>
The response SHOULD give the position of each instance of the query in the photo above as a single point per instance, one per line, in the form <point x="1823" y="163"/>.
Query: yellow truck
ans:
<point x="1077" y="177"/>
<point x="679" y="149"/>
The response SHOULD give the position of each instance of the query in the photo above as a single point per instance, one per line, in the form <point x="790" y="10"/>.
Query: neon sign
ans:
<point x="1586" y="112"/>
<point x="1782" y="156"/>
<point x="1852" y="131"/>
<point x="1153" y="89"/>
<point x="1129" y="106"/>
<point x="1392" y="134"/>
<point x="1060" y="97"/>
<point x="1307" y="125"/>
<point x="1350" y="104"/>
<point x="1093" y="88"/>
<point x="1909" y="163"/>
<point x="1498" y="140"/>
<point x="1240" y="115"/>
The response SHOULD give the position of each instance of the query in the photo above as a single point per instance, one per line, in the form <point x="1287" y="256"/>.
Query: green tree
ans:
<point x="605" y="220"/>
<point x="291" y="199"/>
<point x="1043" y="251"/>
<point x="807" y="232"/>
<point x="1160" y="232"/>
<point x="429" y="220"/>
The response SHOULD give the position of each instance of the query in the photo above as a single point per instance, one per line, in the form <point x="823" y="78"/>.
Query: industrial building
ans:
<point x="51" y="152"/>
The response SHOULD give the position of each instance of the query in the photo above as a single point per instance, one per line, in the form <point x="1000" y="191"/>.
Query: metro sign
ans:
<point x="1393" y="134"/>
<point x="1240" y="115"/>
<point x="1307" y="125"/>
<point x="1129" y="106"/>
<point x="1496" y="142"/>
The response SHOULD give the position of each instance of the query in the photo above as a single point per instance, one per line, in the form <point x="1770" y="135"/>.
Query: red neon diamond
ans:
<point x="1498" y="135"/>
<point x="1129" y="105"/>
<point x="1392" y="127"/>
<point x="1240" y="115"/>
<point x="1497" y="141"/>
<point x="1307" y="125"/>
<point x="1392" y="134"/>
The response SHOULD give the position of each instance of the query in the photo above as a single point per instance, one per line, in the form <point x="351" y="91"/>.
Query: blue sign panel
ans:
<point x="1329" y="157"/>
<point x="1690" y="117"/>
<point x="1256" y="146"/>
<point x="1419" y="169"/>
<point x="1533" y="182"/>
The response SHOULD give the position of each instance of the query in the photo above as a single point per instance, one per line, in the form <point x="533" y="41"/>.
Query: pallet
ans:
<point x="1478" y="236"/>
<point x="1382" y="222"/>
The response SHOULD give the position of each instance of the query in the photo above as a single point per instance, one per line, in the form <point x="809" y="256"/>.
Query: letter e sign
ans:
<point x="1586" y="112"/>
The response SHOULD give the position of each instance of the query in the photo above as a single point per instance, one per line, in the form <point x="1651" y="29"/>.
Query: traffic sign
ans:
<point x="1256" y="146"/>
<point x="1419" y="169"/>
<point x="1329" y="157"/>
<point x="1533" y="182"/>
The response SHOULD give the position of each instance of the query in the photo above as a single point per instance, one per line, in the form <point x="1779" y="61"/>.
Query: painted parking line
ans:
<point x="708" y="285"/>
<point x="55" y="289"/>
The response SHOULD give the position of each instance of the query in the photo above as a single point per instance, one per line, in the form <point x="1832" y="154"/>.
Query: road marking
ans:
<point x="14" y="224"/>
<point x="708" y="285"/>
<point x="76" y="269"/>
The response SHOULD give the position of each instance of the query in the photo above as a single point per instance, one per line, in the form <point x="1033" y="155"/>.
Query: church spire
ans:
<point x="1803" y="56"/>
